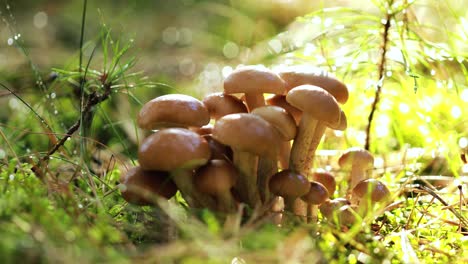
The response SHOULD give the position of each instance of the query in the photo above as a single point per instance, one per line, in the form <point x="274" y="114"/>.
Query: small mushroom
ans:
<point x="140" y="187"/>
<point x="327" y="179"/>
<point x="216" y="178"/>
<point x="329" y="207"/>
<point x="316" y="196"/>
<point x="318" y="107"/>
<point x="250" y="137"/>
<point x="173" y="110"/>
<point x="253" y="82"/>
<point x="290" y="185"/>
<point x="369" y="192"/>
<point x="285" y="127"/>
<point x="178" y="151"/>
<point x="358" y="161"/>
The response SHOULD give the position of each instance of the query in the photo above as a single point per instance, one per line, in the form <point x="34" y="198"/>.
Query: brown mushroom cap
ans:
<point x="140" y="186"/>
<point x="316" y="102"/>
<point x="297" y="75"/>
<point x="342" y="124"/>
<point x="278" y="118"/>
<point x="173" y="148"/>
<point x="330" y="206"/>
<point x="375" y="189"/>
<point x="280" y="100"/>
<point x="327" y="179"/>
<point x="253" y="79"/>
<point x="215" y="177"/>
<point x="173" y="110"/>
<point x="356" y="157"/>
<point x="246" y="132"/>
<point x="287" y="183"/>
<point x="218" y="150"/>
<point x="220" y="104"/>
<point x="204" y="130"/>
<point x="317" y="193"/>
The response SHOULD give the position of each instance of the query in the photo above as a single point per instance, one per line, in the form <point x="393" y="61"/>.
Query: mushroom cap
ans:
<point x="220" y="104"/>
<point x="215" y="177"/>
<point x="356" y="157"/>
<point x="327" y="179"/>
<point x="330" y="206"/>
<point x="204" y="130"/>
<point x="246" y="132"/>
<point x="279" y="118"/>
<point x="287" y="183"/>
<point x="218" y="150"/>
<point x="254" y="79"/>
<point x="173" y="110"/>
<point x="141" y="186"/>
<point x="298" y="75"/>
<point x="280" y="100"/>
<point x="173" y="148"/>
<point x="375" y="189"/>
<point x="317" y="193"/>
<point x="316" y="102"/>
<point x="342" y="124"/>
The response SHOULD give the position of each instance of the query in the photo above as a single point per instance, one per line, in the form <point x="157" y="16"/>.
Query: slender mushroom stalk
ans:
<point x="253" y="82"/>
<point x="358" y="161"/>
<point x="285" y="127"/>
<point x="178" y="151"/>
<point x="216" y="178"/>
<point x="291" y="186"/>
<point x="250" y="137"/>
<point x="318" y="106"/>
<point x="316" y="196"/>
<point x="369" y="192"/>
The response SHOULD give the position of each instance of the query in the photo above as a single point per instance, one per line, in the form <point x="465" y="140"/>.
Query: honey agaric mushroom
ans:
<point x="295" y="76"/>
<point x="280" y="100"/>
<point x="220" y="104"/>
<point x="290" y="185"/>
<point x="204" y="130"/>
<point x="250" y="137"/>
<point x="173" y="110"/>
<point x="141" y="187"/>
<point x="178" y="151"/>
<point x="368" y="193"/>
<point x="358" y="161"/>
<point x="218" y="150"/>
<point x="253" y="82"/>
<point x="317" y="194"/>
<point x="327" y="179"/>
<point x="285" y="125"/>
<point x="329" y="207"/>
<point x="216" y="178"/>
<point x="318" y="106"/>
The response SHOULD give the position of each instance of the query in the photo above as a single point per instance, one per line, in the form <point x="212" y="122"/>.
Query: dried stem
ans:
<point x="381" y="69"/>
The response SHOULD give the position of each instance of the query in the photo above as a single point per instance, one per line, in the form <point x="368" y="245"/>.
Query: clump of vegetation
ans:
<point x="69" y="132"/>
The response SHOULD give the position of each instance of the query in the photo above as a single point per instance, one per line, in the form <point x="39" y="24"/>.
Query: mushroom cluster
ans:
<point x="254" y="143"/>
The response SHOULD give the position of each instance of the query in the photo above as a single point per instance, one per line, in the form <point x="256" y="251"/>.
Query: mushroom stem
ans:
<point x="284" y="154"/>
<point x="312" y="210"/>
<point x="254" y="100"/>
<point x="300" y="160"/>
<point x="296" y="206"/>
<point x="357" y="175"/>
<point x="184" y="181"/>
<point x="225" y="202"/>
<point x="246" y="185"/>
<point x="266" y="168"/>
